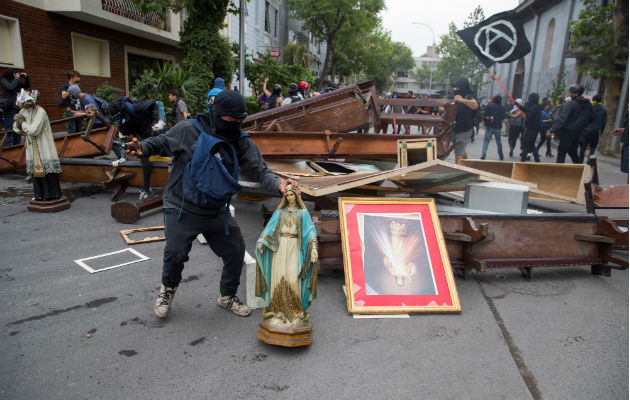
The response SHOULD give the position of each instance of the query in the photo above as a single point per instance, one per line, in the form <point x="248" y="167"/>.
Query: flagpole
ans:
<point x="497" y="79"/>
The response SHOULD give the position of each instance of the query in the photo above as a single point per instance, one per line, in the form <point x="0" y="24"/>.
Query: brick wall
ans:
<point x="47" y="49"/>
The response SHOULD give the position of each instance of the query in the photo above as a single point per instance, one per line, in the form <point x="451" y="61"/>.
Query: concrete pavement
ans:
<point x="69" y="334"/>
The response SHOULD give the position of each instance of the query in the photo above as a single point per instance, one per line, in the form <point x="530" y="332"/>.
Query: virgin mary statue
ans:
<point x="286" y="257"/>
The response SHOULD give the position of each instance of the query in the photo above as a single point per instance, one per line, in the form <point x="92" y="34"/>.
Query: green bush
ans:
<point x="252" y="106"/>
<point x="108" y="92"/>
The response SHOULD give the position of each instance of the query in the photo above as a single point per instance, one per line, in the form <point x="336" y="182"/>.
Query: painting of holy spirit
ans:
<point x="395" y="257"/>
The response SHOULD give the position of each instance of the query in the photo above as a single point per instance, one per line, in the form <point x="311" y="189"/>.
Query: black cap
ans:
<point x="231" y="103"/>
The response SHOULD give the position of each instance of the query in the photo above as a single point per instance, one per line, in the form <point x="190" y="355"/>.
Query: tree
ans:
<point x="325" y="19"/>
<point x="457" y="59"/>
<point x="207" y="53"/>
<point x="601" y="32"/>
<point x="266" y="66"/>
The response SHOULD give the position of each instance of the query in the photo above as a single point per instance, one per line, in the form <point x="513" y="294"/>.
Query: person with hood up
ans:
<point x="293" y="95"/>
<point x="533" y="114"/>
<point x="592" y="133"/>
<point x="571" y="122"/>
<point x="465" y="118"/>
<point x="184" y="220"/>
<point x="496" y="114"/>
<point x="219" y="86"/>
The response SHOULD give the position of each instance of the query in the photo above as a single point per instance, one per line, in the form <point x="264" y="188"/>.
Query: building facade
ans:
<point x="547" y="24"/>
<point x="405" y="81"/>
<point x="105" y="40"/>
<point x="269" y="26"/>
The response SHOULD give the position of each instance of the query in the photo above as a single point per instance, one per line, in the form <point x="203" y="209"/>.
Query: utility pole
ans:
<point x="430" y="62"/>
<point x="241" y="40"/>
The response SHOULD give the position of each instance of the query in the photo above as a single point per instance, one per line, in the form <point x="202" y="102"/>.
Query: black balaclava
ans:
<point x="463" y="87"/>
<point x="230" y="103"/>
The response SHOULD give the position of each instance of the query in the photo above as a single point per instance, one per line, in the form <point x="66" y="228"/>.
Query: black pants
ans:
<point x="180" y="234"/>
<point x="543" y="139"/>
<point x="513" y="134"/>
<point x="146" y="173"/>
<point x="589" y="139"/>
<point x="568" y="144"/>
<point x="529" y="145"/>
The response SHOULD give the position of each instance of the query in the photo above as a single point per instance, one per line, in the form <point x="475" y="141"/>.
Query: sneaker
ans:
<point x="233" y="304"/>
<point x="144" y="195"/>
<point x="163" y="303"/>
<point x="159" y="126"/>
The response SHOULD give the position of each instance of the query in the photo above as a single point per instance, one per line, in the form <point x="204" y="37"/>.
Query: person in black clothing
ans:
<point x="494" y="114"/>
<point x="184" y="220"/>
<point x="12" y="82"/>
<point x="571" y="122"/>
<point x="464" y="118"/>
<point x="137" y="119"/>
<point x="533" y="115"/>
<point x="275" y="100"/>
<point x="592" y="133"/>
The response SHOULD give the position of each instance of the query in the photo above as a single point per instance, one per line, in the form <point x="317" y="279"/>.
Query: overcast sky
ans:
<point x="399" y="16"/>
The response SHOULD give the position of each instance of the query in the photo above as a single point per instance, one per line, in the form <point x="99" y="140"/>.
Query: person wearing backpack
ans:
<point x="493" y="117"/>
<point x="192" y="204"/>
<point x="293" y="95"/>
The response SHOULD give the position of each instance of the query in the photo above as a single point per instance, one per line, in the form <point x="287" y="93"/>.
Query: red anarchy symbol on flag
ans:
<point x="491" y="35"/>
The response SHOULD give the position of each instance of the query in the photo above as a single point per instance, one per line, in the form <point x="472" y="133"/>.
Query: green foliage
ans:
<point x="457" y="59"/>
<point x="282" y="74"/>
<point x="558" y="86"/>
<point x="334" y="21"/>
<point x="108" y="92"/>
<point x="155" y="84"/>
<point x="298" y="54"/>
<point x="422" y="75"/>
<point x="252" y="106"/>
<point x="603" y="41"/>
<point x="207" y="53"/>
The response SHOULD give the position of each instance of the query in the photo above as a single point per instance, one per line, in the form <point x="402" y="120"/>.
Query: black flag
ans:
<point x="500" y="39"/>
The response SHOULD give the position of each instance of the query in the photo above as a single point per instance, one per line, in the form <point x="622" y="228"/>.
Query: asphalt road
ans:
<point x="69" y="334"/>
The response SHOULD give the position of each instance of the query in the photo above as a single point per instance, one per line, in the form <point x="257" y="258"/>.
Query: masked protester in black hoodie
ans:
<point x="533" y="113"/>
<point x="465" y="118"/>
<point x="571" y="122"/>
<point x="184" y="220"/>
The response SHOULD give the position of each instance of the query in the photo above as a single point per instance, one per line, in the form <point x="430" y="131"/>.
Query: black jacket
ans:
<point x="180" y="142"/>
<point x="497" y="111"/>
<point x="574" y="116"/>
<point x="10" y="89"/>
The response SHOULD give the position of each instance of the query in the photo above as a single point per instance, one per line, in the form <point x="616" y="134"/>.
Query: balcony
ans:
<point x="127" y="9"/>
<point x="118" y="15"/>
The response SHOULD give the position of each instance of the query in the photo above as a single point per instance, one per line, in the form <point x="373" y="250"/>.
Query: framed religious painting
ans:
<point x="395" y="257"/>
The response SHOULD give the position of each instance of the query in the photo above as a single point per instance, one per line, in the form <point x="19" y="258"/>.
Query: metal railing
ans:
<point x="127" y="9"/>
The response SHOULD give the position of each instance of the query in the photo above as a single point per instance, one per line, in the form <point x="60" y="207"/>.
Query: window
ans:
<point x="91" y="55"/>
<point x="275" y="23"/>
<point x="402" y="73"/>
<point x="10" y="43"/>
<point x="267" y="22"/>
<point x="548" y="44"/>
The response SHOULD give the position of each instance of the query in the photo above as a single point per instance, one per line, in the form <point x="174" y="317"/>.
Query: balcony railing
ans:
<point x="127" y="9"/>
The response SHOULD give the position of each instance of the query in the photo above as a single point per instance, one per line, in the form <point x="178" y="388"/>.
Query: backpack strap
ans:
<point x="234" y="174"/>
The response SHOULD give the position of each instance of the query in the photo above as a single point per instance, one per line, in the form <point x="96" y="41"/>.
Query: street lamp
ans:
<point x="430" y="62"/>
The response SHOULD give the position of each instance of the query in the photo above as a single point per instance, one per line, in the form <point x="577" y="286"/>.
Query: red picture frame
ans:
<point x="395" y="257"/>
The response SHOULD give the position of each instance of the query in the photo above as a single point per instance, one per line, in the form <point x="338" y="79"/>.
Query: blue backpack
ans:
<point x="207" y="183"/>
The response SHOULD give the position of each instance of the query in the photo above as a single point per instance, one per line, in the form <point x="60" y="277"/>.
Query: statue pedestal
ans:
<point x="49" y="206"/>
<point x="285" y="334"/>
